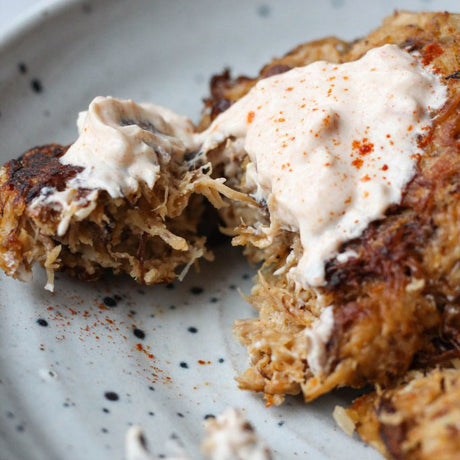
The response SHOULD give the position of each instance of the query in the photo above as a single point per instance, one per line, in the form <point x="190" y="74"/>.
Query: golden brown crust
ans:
<point x="416" y="419"/>
<point x="150" y="235"/>
<point x="399" y="300"/>
<point x="38" y="168"/>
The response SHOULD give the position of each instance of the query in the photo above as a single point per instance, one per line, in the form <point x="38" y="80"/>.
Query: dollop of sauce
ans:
<point x="332" y="146"/>
<point x="120" y="143"/>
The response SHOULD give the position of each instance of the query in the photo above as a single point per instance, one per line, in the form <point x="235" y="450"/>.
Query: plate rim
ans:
<point x="32" y="18"/>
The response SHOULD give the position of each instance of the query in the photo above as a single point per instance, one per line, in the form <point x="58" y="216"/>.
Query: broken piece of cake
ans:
<point x="228" y="437"/>
<point x="355" y="162"/>
<point x="123" y="197"/>
<point x="231" y="437"/>
<point x="418" y="418"/>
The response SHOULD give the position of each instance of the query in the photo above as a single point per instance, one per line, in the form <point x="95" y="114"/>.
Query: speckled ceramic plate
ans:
<point x="77" y="368"/>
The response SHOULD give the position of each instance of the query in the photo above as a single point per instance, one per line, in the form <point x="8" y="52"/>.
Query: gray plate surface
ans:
<point x="54" y="379"/>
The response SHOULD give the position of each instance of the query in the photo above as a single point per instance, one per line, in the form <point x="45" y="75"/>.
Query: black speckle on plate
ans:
<point x="151" y="388"/>
<point x="111" y="396"/>
<point x="208" y="416"/>
<point x="151" y="413"/>
<point x="109" y="301"/>
<point x="196" y="290"/>
<point x="105" y="410"/>
<point x="22" y="67"/>
<point x="42" y="322"/>
<point x="192" y="330"/>
<point x="263" y="11"/>
<point x="221" y="360"/>
<point x="281" y="423"/>
<point x="184" y="365"/>
<point x="139" y="333"/>
<point x="214" y="300"/>
<point x="36" y="85"/>
<point x="180" y="414"/>
<point x="104" y="430"/>
<point x="87" y="8"/>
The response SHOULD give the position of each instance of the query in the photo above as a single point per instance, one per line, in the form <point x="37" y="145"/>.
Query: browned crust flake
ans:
<point x="418" y="418"/>
<point x="38" y="168"/>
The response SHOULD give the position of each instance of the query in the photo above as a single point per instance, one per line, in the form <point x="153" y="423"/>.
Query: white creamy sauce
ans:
<point x="317" y="338"/>
<point x="119" y="146"/>
<point x="68" y="203"/>
<point x="332" y="145"/>
<point x="120" y="141"/>
<point x="346" y="256"/>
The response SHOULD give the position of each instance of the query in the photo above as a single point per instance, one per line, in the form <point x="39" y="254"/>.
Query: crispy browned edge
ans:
<point x="149" y="235"/>
<point x="416" y="419"/>
<point x="397" y="303"/>
<point x="38" y="168"/>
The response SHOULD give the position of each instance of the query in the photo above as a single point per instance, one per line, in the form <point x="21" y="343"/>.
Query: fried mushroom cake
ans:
<point x="123" y="197"/>
<point x="390" y="293"/>
<point x="416" y="419"/>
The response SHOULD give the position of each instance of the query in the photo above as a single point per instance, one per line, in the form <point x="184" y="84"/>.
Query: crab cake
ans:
<point x="355" y="310"/>
<point x="123" y="197"/>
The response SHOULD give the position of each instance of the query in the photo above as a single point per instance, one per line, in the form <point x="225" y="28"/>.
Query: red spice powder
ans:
<point x="363" y="147"/>
<point x="431" y="52"/>
<point x="357" y="163"/>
